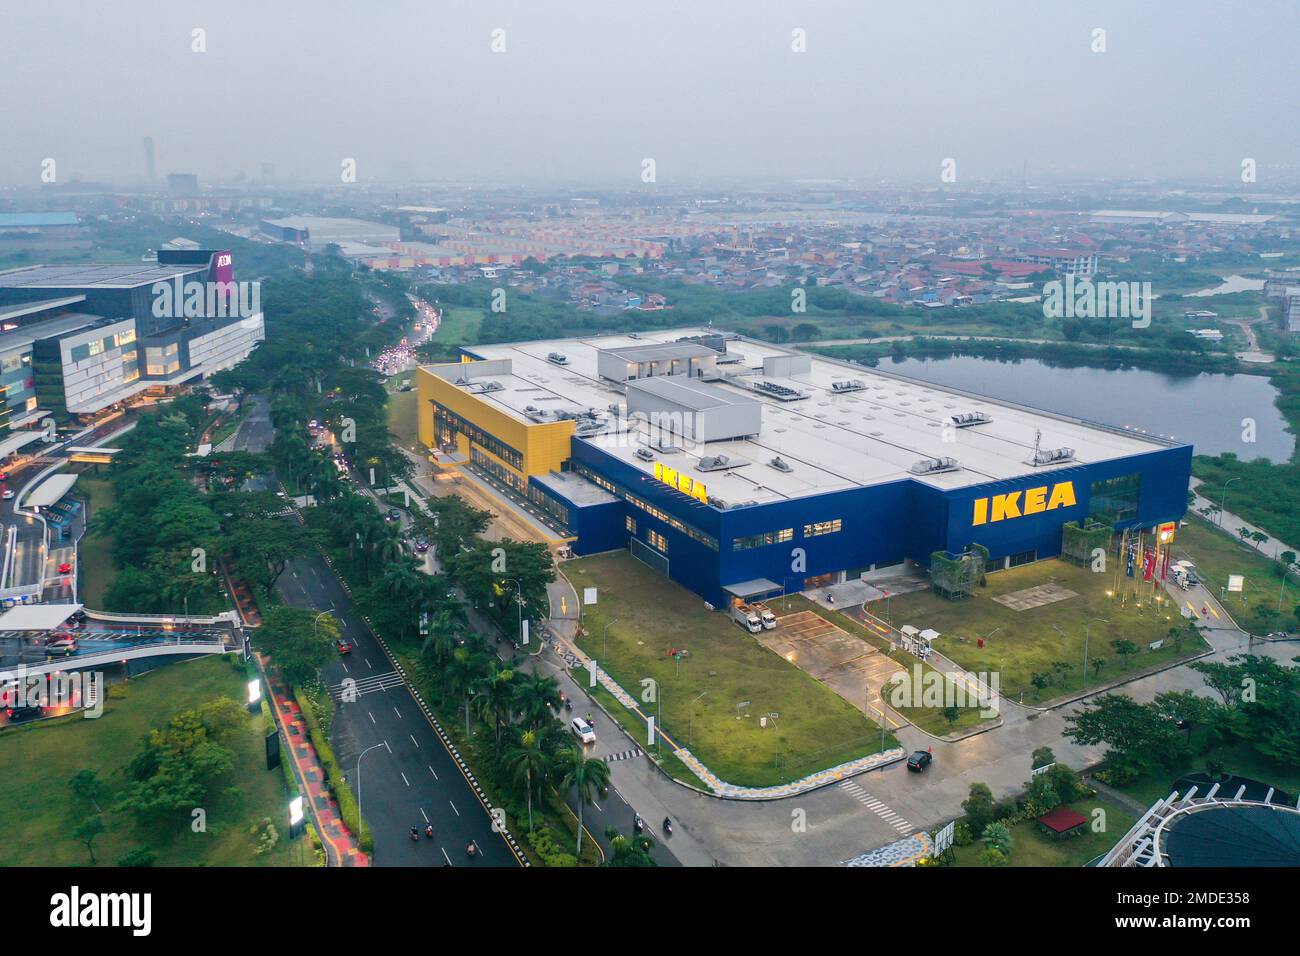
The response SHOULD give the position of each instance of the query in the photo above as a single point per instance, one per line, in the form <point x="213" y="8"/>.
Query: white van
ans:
<point x="582" y="730"/>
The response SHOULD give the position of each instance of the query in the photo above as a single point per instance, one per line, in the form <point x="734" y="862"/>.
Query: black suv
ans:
<point x="919" y="760"/>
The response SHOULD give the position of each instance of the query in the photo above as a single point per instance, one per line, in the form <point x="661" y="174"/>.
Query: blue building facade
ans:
<point x="821" y="539"/>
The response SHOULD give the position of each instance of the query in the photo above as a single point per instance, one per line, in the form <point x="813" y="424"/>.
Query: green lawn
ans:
<point x="458" y="327"/>
<point x="95" y="553"/>
<point x="648" y="614"/>
<point x="1217" y="554"/>
<point x="39" y="811"/>
<point x="1030" y="847"/>
<point x="402" y="425"/>
<point x="1028" y="642"/>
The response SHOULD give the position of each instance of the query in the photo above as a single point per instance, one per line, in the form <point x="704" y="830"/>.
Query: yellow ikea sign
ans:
<point x="683" y="483"/>
<point x="1036" y="501"/>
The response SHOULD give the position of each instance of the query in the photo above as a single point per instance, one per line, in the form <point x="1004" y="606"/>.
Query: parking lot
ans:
<point x="847" y="665"/>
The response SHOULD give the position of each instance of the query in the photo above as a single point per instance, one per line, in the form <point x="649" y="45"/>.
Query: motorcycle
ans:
<point x="638" y="824"/>
<point x="428" y="831"/>
<point x="415" y="834"/>
<point x="668" y="826"/>
<point x="568" y="705"/>
<point x="471" y="851"/>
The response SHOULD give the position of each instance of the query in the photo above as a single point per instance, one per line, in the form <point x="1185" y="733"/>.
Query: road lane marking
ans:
<point x="432" y="771"/>
<point x="413" y="740"/>
<point x="453" y="806"/>
<point x="404" y="780"/>
<point x="372" y="717"/>
<point x="397" y="712"/>
<point x="423" y="814"/>
<point x="388" y="748"/>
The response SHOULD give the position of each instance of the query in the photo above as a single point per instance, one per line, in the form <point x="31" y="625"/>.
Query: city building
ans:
<point x="94" y="335"/>
<point x="743" y="469"/>
<point x="317" y="232"/>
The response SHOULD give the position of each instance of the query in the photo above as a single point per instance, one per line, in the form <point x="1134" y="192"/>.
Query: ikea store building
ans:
<point x="743" y="469"/>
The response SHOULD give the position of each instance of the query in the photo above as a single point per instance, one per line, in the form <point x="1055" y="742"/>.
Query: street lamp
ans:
<point x="604" y="644"/>
<point x="315" y="622"/>
<point x="359" y="817"/>
<point x="519" y="600"/>
<point x="1224" y="497"/>
<point x="690" y="730"/>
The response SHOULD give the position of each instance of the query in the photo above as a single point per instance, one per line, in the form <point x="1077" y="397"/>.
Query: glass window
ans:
<point x="1113" y="500"/>
<point x="656" y="541"/>
<point x="762" y="540"/>
<point x="821" y="527"/>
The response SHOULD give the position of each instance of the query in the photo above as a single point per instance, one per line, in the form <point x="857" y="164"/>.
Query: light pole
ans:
<point x="604" y="644"/>
<point x="360" y="825"/>
<point x="1224" y="497"/>
<point x="690" y="730"/>
<point x="316" y="621"/>
<point x="1085" y="647"/>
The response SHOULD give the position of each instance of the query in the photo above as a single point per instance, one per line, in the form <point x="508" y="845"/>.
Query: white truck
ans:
<point x="764" y="615"/>
<point x="747" y="618"/>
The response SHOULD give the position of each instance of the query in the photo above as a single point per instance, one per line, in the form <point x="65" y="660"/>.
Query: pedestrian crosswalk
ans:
<point x="625" y="755"/>
<point x="349" y="690"/>
<point x="875" y="806"/>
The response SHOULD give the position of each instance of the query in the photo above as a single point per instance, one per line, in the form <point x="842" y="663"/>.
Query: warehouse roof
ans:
<point x="689" y="392"/>
<point x="815" y="438"/>
<point x="662" y="351"/>
<point x="91" y="276"/>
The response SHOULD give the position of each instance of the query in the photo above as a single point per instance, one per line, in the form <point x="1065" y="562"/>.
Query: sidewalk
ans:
<point x="341" y="847"/>
<point x="1229" y="523"/>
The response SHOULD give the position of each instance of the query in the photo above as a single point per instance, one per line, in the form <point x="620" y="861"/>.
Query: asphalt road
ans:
<point x="409" y="779"/>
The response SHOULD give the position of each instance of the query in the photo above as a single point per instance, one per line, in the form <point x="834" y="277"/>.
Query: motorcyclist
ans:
<point x="415" y="833"/>
<point x="428" y="831"/>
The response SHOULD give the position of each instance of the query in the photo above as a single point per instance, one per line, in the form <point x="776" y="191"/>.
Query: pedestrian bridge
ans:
<point x="129" y="651"/>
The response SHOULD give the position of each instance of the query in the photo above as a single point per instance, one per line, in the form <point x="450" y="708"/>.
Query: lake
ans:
<point x="1204" y="409"/>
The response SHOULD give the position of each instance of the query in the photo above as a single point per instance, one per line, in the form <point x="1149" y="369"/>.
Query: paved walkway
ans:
<point x="1230" y="522"/>
<point x="340" y="845"/>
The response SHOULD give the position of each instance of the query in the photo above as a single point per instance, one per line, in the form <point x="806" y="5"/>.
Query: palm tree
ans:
<point x="493" y="694"/>
<point x="461" y="675"/>
<point x="537" y="698"/>
<point x="628" y="852"/>
<point x="529" y="761"/>
<point x="586" y="775"/>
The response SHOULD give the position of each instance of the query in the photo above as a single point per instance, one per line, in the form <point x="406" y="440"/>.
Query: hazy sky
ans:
<point x="710" y="89"/>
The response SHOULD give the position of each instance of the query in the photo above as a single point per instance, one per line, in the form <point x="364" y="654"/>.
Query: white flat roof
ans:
<point x="50" y="490"/>
<point x="36" y="617"/>
<point x="830" y="440"/>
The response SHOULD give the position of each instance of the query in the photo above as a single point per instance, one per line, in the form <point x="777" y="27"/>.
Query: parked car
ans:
<point x="582" y="730"/>
<point x="24" y="712"/>
<point x="920" y="760"/>
<point x="65" y="567"/>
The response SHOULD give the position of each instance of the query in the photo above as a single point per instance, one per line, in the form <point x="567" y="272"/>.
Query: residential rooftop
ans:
<point x="829" y="439"/>
<point x="88" y="276"/>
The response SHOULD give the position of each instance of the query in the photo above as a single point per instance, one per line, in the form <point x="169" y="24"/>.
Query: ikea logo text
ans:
<point x="1031" y="501"/>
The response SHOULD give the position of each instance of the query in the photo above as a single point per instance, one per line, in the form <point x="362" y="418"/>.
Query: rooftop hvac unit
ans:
<point x="559" y="358"/>
<point x="849" y="385"/>
<point x="1052" y="456"/>
<point x="934" y="466"/>
<point x="645" y="454"/>
<point x="780" y="464"/>
<point x="778" y="391"/>
<point x="967" y="419"/>
<point x="714" y="463"/>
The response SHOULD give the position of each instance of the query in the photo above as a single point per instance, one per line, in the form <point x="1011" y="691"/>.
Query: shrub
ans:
<point x="961" y="835"/>
<point x="997" y="836"/>
<point x="544" y="846"/>
<point x="993" y="857"/>
<point x="138" y="856"/>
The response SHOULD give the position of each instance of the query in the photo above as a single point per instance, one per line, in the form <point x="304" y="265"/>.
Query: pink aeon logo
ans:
<point x="223" y="260"/>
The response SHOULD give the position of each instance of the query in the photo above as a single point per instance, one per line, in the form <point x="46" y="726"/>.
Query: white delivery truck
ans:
<point x="764" y="615"/>
<point x="746" y="617"/>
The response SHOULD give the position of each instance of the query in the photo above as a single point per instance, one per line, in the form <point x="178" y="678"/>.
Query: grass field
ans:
<point x="1030" y="847"/>
<point x="95" y="554"/>
<point x="1019" y="644"/>
<point x="458" y="327"/>
<point x="401" y="411"/>
<point x="647" y="614"/>
<point x="39" y="811"/>
<point x="1217" y="554"/>
<point x="1237" y="759"/>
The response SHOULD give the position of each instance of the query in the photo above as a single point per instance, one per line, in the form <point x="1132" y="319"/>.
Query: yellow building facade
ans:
<point x="487" y="434"/>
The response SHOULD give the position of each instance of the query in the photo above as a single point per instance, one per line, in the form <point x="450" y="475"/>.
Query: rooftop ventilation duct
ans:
<point x="967" y="419"/>
<point x="934" y="466"/>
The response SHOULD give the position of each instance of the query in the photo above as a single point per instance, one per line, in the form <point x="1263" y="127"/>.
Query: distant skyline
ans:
<point x="712" y="92"/>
